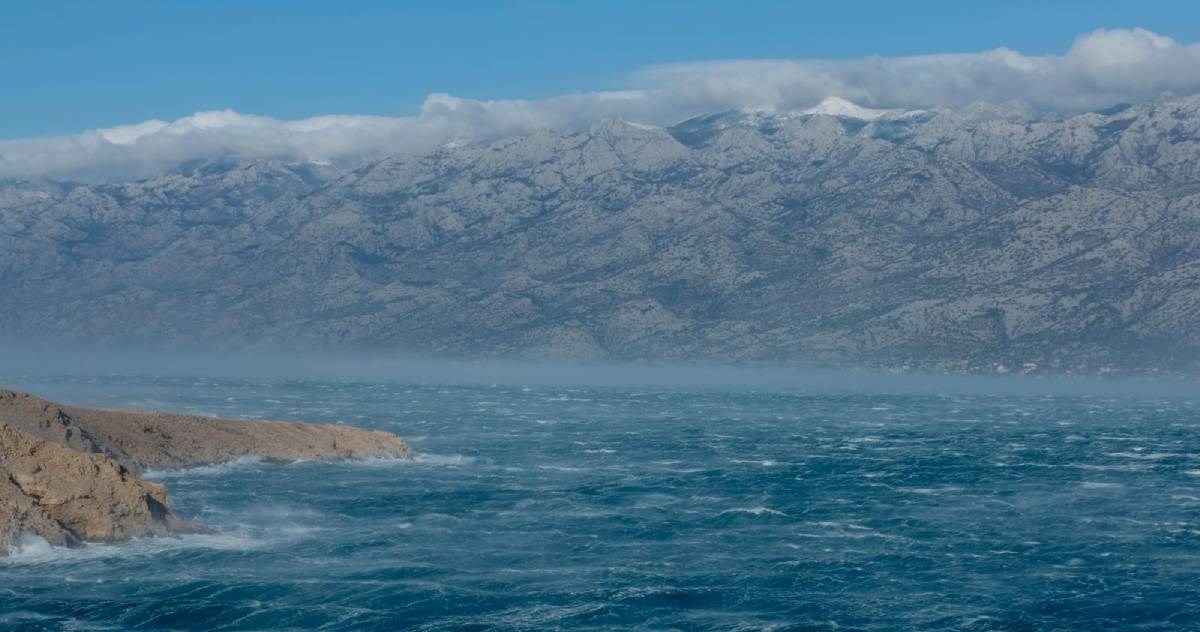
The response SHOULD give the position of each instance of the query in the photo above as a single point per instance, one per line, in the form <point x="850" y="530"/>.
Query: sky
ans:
<point x="409" y="75"/>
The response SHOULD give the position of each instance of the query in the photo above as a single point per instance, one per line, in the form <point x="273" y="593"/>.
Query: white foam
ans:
<point x="204" y="470"/>
<point x="929" y="491"/>
<point x="764" y="463"/>
<point x="841" y="525"/>
<point x="440" y="459"/>
<point x="30" y="545"/>
<point x="1098" y="485"/>
<point x="1143" y="456"/>
<point x="1127" y="467"/>
<point x="35" y="550"/>
<point x="757" y="511"/>
<point x="561" y="468"/>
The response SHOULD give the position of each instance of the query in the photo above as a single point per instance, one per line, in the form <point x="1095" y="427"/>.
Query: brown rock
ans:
<point x="68" y="474"/>
<point x="142" y="440"/>
<point x="67" y="496"/>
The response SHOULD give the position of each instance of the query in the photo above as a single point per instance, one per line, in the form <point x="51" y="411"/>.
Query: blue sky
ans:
<point x="72" y="66"/>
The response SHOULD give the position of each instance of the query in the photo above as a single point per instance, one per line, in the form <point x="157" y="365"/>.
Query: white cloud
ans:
<point x="1101" y="68"/>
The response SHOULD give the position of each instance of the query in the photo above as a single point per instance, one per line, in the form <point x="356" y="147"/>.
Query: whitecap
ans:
<point x="1127" y="467"/>
<point x="1099" y="485"/>
<point x="841" y="525"/>
<point x="1143" y="456"/>
<point x="929" y="491"/>
<point x="757" y="511"/>
<point x="764" y="463"/>
<point x="561" y="468"/>
<point x="425" y="458"/>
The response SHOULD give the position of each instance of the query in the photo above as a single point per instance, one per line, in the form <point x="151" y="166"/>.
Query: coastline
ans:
<point x="72" y="474"/>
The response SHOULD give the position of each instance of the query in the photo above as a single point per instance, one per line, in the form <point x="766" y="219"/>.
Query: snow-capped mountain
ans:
<point x="836" y="106"/>
<point x="838" y="235"/>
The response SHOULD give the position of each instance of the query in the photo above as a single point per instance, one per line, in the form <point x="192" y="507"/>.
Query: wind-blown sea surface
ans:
<point x="575" y="507"/>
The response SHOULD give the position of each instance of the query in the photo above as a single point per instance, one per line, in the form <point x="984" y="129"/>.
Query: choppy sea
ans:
<point x="541" y="507"/>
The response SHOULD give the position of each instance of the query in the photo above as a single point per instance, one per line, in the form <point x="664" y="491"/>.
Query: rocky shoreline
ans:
<point x="70" y="474"/>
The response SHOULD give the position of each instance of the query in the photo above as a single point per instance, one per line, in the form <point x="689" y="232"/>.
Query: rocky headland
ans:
<point x="70" y="474"/>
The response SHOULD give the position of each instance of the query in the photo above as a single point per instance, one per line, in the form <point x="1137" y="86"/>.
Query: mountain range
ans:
<point x="989" y="238"/>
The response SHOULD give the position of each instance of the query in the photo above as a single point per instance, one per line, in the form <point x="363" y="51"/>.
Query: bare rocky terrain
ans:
<point x="68" y="497"/>
<point x="69" y="474"/>
<point x="987" y="238"/>
<point x="141" y="440"/>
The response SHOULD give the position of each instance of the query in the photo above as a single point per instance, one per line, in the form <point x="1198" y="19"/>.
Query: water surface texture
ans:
<point x="544" y="507"/>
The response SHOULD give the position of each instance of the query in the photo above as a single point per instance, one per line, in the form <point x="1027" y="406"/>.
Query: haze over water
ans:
<point x="536" y="506"/>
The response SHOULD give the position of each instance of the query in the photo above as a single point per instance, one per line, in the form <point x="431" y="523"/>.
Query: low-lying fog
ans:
<point x="41" y="366"/>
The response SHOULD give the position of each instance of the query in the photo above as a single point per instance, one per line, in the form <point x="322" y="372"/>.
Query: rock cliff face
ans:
<point x="68" y="474"/>
<point x="939" y="239"/>
<point x="68" y="497"/>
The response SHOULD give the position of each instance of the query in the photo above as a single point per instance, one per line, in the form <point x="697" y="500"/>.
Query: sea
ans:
<point x="667" y="507"/>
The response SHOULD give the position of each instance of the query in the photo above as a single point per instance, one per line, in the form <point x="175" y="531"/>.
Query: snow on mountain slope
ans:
<point x="836" y="106"/>
<point x="955" y="240"/>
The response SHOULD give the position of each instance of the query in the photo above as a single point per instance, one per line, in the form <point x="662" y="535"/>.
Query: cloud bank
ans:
<point x="1100" y="69"/>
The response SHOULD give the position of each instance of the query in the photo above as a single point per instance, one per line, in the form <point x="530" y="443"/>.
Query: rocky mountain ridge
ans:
<point x="980" y="239"/>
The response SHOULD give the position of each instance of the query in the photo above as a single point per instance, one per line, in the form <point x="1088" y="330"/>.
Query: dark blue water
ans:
<point x="534" y="508"/>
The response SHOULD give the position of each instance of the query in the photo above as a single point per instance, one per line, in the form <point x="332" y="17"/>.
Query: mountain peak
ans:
<point x="621" y="126"/>
<point x="837" y="106"/>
